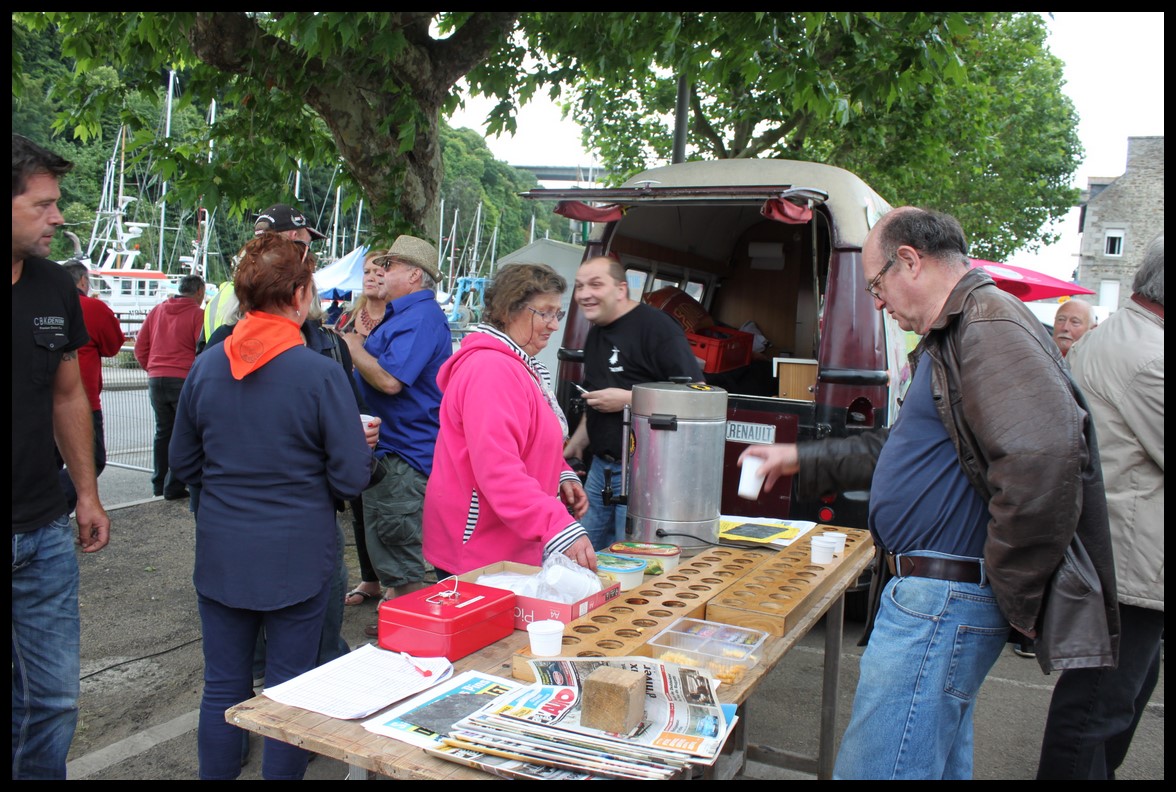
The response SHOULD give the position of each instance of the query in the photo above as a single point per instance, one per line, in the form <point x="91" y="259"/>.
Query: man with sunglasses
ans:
<point x="281" y="219"/>
<point x="976" y="491"/>
<point x="396" y="368"/>
<point x="629" y="343"/>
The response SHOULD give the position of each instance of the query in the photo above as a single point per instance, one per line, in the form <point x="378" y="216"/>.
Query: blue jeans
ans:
<point x="933" y="643"/>
<point x="164" y="393"/>
<point x="292" y="642"/>
<point x="605" y="523"/>
<point x="1094" y="712"/>
<point x="46" y="650"/>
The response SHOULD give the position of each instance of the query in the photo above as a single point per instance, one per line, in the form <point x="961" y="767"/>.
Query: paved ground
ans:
<point x="141" y="669"/>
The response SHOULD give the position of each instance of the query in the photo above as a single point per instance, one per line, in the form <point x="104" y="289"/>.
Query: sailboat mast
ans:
<point x="171" y="86"/>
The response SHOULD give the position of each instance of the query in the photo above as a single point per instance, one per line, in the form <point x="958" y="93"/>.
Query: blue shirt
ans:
<point x="411" y="343"/>
<point x="920" y="499"/>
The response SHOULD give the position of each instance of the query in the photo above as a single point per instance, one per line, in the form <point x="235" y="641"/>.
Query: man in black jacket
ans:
<point x="975" y="494"/>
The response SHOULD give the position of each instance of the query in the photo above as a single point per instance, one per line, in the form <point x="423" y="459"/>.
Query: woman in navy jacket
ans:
<point x="270" y="431"/>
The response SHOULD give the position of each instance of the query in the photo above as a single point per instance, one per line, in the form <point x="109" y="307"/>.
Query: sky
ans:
<point x="1114" y="72"/>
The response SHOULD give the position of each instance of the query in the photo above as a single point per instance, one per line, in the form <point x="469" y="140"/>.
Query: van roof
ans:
<point x="853" y="203"/>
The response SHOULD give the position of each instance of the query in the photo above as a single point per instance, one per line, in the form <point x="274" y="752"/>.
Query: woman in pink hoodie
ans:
<point x="500" y="488"/>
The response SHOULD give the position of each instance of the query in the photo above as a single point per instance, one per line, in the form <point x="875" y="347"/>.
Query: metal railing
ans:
<point x="127" y="416"/>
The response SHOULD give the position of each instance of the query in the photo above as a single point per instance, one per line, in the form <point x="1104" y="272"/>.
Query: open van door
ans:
<point x="760" y="261"/>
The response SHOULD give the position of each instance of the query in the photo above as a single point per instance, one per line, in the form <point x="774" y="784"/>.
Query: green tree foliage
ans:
<point x="958" y="111"/>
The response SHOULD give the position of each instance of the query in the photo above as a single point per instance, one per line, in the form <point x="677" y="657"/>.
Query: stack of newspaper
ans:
<point x="539" y="725"/>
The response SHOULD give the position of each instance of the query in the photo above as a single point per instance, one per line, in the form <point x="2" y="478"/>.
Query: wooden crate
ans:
<point x="775" y="595"/>
<point x="622" y="627"/>
<point x="798" y="378"/>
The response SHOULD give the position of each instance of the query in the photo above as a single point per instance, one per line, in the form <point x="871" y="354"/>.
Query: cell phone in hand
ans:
<point x="580" y="388"/>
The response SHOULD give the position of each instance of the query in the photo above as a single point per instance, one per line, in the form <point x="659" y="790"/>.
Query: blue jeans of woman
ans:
<point x="933" y="643"/>
<point x="1094" y="712"/>
<point x="292" y="643"/>
<point x="46" y="650"/>
<point x="605" y="523"/>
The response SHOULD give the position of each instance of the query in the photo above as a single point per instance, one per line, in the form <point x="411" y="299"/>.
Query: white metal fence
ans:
<point x="126" y="412"/>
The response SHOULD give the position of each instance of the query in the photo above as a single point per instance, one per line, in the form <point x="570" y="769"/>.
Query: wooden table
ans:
<point x="364" y="751"/>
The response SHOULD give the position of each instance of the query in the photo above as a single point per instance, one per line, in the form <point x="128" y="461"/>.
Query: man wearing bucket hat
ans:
<point x="396" y="368"/>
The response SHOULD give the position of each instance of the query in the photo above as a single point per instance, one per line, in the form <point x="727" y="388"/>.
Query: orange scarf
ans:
<point x="257" y="339"/>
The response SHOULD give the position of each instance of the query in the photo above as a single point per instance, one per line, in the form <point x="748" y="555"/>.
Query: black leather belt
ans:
<point x="931" y="567"/>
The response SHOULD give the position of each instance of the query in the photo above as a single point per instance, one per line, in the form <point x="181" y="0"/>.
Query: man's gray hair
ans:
<point x="77" y="270"/>
<point x="190" y="285"/>
<point x="1149" y="278"/>
<point x="932" y="233"/>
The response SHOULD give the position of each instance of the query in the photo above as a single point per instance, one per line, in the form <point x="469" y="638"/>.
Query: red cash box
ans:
<point x="450" y="619"/>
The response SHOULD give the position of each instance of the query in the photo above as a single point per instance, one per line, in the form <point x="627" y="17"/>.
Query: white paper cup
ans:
<point x="822" y="549"/>
<point x="751" y="480"/>
<point x="839" y="538"/>
<point x="546" y="637"/>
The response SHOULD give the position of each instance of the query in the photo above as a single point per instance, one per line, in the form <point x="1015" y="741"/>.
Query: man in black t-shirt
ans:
<point x="49" y="403"/>
<point x="629" y="343"/>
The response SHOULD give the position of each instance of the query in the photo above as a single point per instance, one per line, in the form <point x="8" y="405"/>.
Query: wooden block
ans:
<point x="773" y="596"/>
<point x="614" y="700"/>
<point x="621" y="627"/>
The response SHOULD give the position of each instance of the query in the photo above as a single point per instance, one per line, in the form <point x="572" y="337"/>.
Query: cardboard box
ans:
<point x="721" y="348"/>
<point x="530" y="609"/>
<point x="446" y="620"/>
<point x="798" y="377"/>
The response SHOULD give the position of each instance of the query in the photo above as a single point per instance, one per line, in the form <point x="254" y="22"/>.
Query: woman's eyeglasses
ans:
<point x="548" y="316"/>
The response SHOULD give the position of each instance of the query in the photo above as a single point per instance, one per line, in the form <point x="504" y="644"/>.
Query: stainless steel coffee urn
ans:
<point x="674" y="469"/>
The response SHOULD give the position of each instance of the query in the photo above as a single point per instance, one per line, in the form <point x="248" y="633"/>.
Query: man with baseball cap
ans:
<point x="281" y="219"/>
<point x="397" y="373"/>
<point x="287" y="221"/>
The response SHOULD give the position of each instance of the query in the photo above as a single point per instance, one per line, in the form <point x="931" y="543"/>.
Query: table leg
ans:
<point x="834" y="623"/>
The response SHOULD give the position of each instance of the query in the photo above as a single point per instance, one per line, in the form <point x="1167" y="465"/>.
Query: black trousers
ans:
<point x="164" y="393"/>
<point x="1094" y="712"/>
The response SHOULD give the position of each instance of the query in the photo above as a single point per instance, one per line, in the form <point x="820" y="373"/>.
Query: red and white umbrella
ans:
<point x="1028" y="285"/>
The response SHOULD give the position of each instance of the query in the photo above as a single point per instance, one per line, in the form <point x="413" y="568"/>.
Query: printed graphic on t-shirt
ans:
<point x="614" y="361"/>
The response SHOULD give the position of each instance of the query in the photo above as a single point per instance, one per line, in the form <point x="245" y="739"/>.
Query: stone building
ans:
<point x="1120" y="217"/>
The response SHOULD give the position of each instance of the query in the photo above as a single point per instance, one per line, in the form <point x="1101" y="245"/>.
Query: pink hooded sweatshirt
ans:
<point x="494" y="491"/>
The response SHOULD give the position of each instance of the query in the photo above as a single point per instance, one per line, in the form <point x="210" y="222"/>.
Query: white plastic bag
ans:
<point x="560" y="580"/>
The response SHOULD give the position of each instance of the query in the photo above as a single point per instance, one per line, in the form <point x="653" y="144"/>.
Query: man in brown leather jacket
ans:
<point x="976" y="492"/>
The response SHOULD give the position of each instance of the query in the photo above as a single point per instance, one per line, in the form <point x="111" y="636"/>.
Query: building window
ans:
<point x="1114" y="243"/>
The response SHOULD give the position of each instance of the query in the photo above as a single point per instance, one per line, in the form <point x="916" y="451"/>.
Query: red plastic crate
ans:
<point x="721" y="348"/>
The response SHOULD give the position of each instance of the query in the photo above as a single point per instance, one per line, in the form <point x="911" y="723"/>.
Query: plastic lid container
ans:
<point x="722" y="651"/>
<point x="627" y="571"/>
<point x="658" y="558"/>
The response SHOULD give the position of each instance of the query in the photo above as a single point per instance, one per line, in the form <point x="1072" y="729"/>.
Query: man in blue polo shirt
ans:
<point x="397" y="373"/>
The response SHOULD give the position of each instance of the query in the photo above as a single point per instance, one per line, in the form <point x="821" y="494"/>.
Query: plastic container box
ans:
<point x="721" y="348"/>
<point x="626" y="571"/>
<point x="450" y="619"/>
<point x="658" y="558"/>
<point x="723" y="651"/>
<point x="530" y="609"/>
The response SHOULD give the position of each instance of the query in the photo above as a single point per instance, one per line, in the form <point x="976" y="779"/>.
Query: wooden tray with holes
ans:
<point x="776" y="594"/>
<point x="621" y="627"/>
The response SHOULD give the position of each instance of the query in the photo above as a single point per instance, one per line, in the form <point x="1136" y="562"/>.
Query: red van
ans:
<point x="760" y="260"/>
